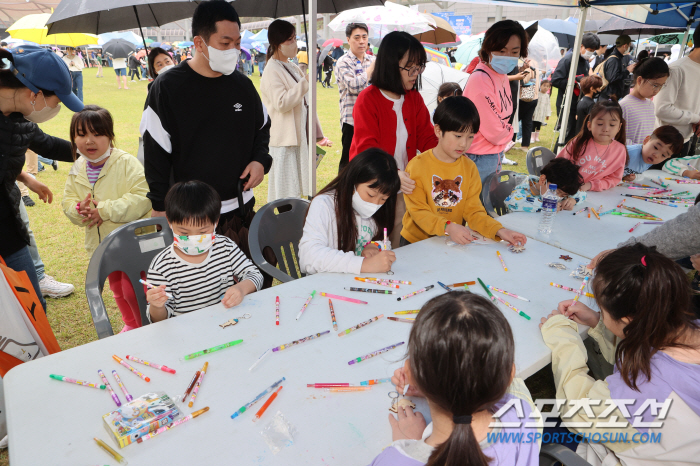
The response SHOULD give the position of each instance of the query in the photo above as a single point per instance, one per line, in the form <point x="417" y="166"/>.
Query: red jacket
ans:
<point x="375" y="123"/>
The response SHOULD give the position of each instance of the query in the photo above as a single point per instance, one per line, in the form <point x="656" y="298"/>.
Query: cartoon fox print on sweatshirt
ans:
<point x="446" y="193"/>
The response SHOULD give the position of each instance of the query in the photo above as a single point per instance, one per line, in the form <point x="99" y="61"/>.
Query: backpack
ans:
<point x="600" y="71"/>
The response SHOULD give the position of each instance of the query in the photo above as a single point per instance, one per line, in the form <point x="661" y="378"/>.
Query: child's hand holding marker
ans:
<point x="400" y="380"/>
<point x="576" y="311"/>
<point x="370" y="250"/>
<point x="378" y="263"/>
<point x="156" y="296"/>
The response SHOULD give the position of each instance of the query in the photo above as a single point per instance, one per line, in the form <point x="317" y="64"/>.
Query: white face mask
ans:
<point x="588" y="54"/>
<point x="165" y="68"/>
<point x="289" y="50"/>
<point x="98" y="159"/>
<point x="222" y="61"/>
<point x="194" y="245"/>
<point x="363" y="208"/>
<point x="45" y="114"/>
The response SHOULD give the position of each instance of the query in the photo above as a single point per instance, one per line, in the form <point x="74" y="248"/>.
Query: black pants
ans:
<point x="134" y="71"/>
<point x="536" y="125"/>
<point x="329" y="73"/>
<point x="348" y="132"/>
<point x="319" y="73"/>
<point x="688" y="149"/>
<point x="525" y="112"/>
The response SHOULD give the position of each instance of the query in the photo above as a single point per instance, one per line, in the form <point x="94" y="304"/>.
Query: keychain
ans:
<point x="234" y="321"/>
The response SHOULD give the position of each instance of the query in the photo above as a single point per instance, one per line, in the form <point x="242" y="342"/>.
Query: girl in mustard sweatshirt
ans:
<point x="448" y="184"/>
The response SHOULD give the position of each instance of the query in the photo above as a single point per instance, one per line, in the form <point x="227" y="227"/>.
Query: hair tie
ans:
<point x="644" y="262"/>
<point x="462" y="419"/>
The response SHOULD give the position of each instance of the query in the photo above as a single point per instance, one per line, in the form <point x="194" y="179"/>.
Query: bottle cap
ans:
<point x="553" y="186"/>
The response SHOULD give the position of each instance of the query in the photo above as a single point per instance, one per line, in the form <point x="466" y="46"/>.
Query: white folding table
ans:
<point x="52" y="422"/>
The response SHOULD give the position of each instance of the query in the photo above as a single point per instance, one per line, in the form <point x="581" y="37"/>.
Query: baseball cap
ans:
<point x="38" y="68"/>
<point x="624" y="39"/>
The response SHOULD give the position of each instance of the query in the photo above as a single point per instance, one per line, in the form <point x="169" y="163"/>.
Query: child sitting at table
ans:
<point x="105" y="189"/>
<point x="345" y="223"/>
<point x="448" y="183"/>
<point x="461" y="358"/>
<point x="527" y="195"/>
<point x="599" y="148"/>
<point x="660" y="146"/>
<point x="688" y="167"/>
<point x="646" y="329"/>
<point x="200" y="268"/>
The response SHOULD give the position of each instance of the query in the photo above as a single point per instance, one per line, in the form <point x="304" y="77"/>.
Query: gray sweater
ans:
<point x="677" y="238"/>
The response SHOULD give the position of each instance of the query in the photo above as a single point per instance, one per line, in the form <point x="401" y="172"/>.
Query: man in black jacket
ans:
<point x="219" y="131"/>
<point x="615" y="71"/>
<point x="589" y="44"/>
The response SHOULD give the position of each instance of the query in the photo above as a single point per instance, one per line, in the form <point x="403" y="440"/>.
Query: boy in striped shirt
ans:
<point x="200" y="268"/>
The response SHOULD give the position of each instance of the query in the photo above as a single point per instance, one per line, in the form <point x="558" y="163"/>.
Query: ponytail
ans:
<point x="640" y="284"/>
<point x="461" y="352"/>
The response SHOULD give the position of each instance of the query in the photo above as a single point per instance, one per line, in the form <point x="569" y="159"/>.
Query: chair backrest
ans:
<point x="124" y="251"/>
<point x="279" y="226"/>
<point x="536" y="158"/>
<point x="553" y="453"/>
<point x="497" y="186"/>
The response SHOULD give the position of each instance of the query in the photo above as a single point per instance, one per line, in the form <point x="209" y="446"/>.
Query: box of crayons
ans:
<point x="139" y="417"/>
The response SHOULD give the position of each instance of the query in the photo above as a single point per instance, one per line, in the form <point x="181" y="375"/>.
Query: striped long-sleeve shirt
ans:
<point x="639" y="118"/>
<point x="351" y="77"/>
<point x="679" y="165"/>
<point x="195" y="286"/>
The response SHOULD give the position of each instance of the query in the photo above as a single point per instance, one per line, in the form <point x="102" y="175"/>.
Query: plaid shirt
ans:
<point x="351" y="77"/>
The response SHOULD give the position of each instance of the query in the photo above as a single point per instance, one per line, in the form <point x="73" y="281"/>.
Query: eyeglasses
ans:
<point x="413" y="71"/>
<point x="656" y="87"/>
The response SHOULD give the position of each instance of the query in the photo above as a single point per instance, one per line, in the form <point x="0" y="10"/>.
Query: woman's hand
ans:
<point x="37" y="186"/>
<point x="512" y="237"/>
<point x="410" y="424"/>
<point x="407" y="184"/>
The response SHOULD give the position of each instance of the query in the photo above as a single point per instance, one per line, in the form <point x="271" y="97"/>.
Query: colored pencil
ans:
<point x="398" y="319"/>
<point x="634" y="227"/>
<point x="399" y="313"/>
<point x="583" y="286"/>
<point x="570" y="289"/>
<point x="343" y="298"/>
<point x="509" y="294"/>
<point x="422" y="290"/>
<point x="335" y="324"/>
<point x="502" y="261"/>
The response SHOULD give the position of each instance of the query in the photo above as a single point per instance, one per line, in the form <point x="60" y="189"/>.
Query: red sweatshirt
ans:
<point x="375" y="123"/>
<point x="490" y="92"/>
<point x="603" y="166"/>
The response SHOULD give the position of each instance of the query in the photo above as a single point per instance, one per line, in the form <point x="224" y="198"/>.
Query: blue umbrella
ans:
<point x="155" y="44"/>
<point x="564" y="31"/>
<point x="469" y="49"/>
<point x="187" y="43"/>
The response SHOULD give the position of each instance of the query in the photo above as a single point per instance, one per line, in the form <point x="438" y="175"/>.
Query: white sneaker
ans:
<point x="507" y="161"/>
<point x="53" y="289"/>
<point x="3" y="443"/>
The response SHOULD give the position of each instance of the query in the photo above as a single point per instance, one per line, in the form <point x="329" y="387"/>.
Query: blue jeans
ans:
<point x="261" y="67"/>
<point x="33" y="249"/>
<point x="44" y="160"/>
<point x="22" y="261"/>
<point x="486" y="164"/>
<point x="77" y="77"/>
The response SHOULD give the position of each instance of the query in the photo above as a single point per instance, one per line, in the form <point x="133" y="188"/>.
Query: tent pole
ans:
<point x="684" y="42"/>
<point x="568" y="101"/>
<point x="311" y="52"/>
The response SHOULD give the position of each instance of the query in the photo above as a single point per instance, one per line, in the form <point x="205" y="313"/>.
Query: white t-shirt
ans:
<point x="119" y="63"/>
<point x="400" y="154"/>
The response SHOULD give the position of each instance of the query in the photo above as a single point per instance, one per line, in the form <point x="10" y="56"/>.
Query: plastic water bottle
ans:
<point x="549" y="210"/>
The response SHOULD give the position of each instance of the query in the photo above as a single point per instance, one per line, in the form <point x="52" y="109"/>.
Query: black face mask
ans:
<point x="596" y="95"/>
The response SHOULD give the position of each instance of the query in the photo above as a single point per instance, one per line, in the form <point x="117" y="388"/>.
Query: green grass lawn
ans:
<point x="61" y="244"/>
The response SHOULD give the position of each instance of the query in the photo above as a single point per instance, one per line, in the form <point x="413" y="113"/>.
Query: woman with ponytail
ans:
<point x="461" y="359"/>
<point x="647" y="330"/>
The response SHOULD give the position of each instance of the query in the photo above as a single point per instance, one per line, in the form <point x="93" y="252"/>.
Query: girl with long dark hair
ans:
<point x="347" y="218"/>
<point x="599" y="148"/>
<point x="646" y="329"/>
<point x="461" y="358"/>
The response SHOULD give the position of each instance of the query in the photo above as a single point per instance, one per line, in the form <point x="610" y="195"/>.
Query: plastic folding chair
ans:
<point x="497" y="186"/>
<point x="553" y="453"/>
<point x="279" y="226"/>
<point x="536" y="158"/>
<point x="124" y="251"/>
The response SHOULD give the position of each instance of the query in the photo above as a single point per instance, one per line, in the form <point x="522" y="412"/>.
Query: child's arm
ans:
<point x="133" y="204"/>
<point x="249" y="277"/>
<point x="573" y="382"/>
<point x="679" y="167"/>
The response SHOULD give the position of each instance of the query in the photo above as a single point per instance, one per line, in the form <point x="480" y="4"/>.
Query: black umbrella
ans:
<point x="119" y="48"/>
<point x="618" y="26"/>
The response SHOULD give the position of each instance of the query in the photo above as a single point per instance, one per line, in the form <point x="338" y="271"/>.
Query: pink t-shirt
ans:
<point x="490" y="92"/>
<point x="602" y="166"/>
